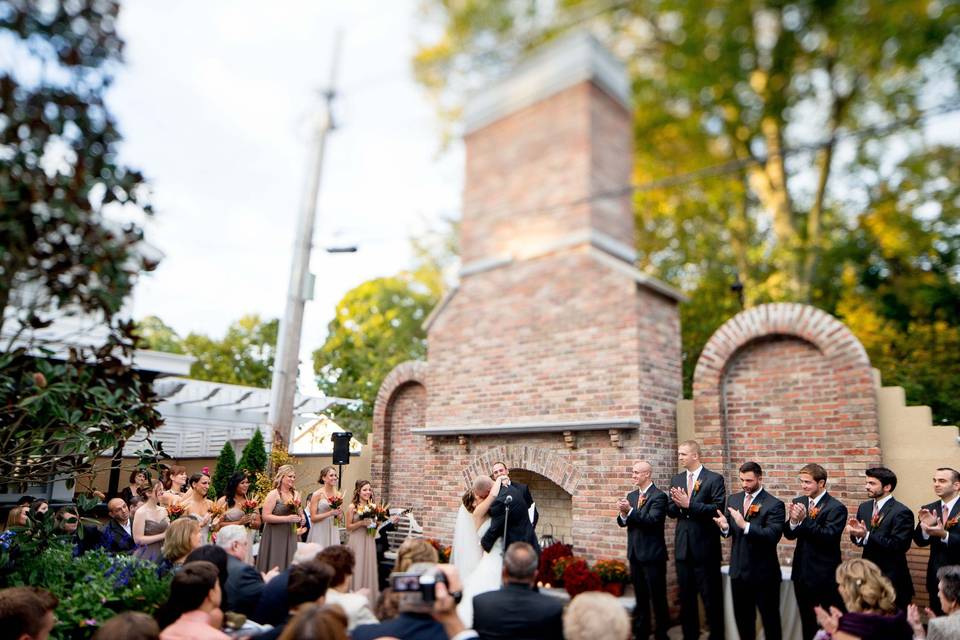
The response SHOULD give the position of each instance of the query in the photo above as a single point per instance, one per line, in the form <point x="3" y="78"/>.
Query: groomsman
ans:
<point x="937" y="528"/>
<point x="884" y="528"/>
<point x="756" y="525"/>
<point x="696" y="494"/>
<point x="816" y="522"/>
<point x="643" y="513"/>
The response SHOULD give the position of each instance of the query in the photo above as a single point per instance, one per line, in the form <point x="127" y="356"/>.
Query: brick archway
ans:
<point x="399" y="407"/>
<point x="787" y="384"/>
<point x="545" y="462"/>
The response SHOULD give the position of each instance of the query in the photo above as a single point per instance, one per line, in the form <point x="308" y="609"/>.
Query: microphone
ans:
<point x="508" y="499"/>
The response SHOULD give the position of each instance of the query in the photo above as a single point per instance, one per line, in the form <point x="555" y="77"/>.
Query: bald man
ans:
<point x="643" y="513"/>
<point x="117" y="535"/>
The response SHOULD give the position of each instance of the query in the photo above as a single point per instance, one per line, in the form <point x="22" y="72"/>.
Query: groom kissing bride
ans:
<point x="495" y="508"/>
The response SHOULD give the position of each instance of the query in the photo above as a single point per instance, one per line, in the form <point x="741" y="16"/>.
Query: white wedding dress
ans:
<point x="486" y="576"/>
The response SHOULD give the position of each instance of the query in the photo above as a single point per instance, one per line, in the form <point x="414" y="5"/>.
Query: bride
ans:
<point x="481" y="571"/>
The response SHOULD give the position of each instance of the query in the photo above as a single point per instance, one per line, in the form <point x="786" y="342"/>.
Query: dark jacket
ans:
<point x="274" y="605"/>
<point x="115" y="539"/>
<point x="517" y="612"/>
<point x="243" y="588"/>
<point x="941" y="553"/>
<point x="406" y="626"/>
<point x="645" y="542"/>
<point x="817" y="555"/>
<point x="888" y="542"/>
<point x="696" y="539"/>
<point x="753" y="554"/>
<point x="519" y="528"/>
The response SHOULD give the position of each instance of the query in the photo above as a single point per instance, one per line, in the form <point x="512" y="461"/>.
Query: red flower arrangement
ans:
<point x="443" y="551"/>
<point x="335" y="503"/>
<point x="577" y="578"/>
<point x="175" y="511"/>
<point x="249" y="507"/>
<point x="548" y="556"/>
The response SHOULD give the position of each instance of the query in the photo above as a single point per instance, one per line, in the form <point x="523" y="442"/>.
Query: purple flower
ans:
<point x="89" y="622"/>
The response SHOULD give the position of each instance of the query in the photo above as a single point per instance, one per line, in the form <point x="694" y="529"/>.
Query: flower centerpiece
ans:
<point x="613" y="574"/>
<point x="175" y="511"/>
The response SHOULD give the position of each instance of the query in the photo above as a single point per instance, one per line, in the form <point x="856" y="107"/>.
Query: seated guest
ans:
<point x="517" y="610"/>
<point x="244" y="583"/>
<point x="138" y="481"/>
<point x="130" y="625"/>
<point x="947" y="626"/>
<point x="870" y="600"/>
<point x="307" y="585"/>
<point x="419" y="620"/>
<point x="26" y="613"/>
<point x="180" y="538"/>
<point x="411" y="551"/>
<point x="356" y="606"/>
<point x="218" y="558"/>
<point x="84" y="537"/>
<point x="273" y="606"/>
<point x="194" y="605"/>
<point x="117" y="535"/>
<point x="18" y="518"/>
<point x="316" y="622"/>
<point x="595" y="615"/>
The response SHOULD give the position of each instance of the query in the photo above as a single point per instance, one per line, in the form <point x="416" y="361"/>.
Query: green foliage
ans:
<point x="865" y="229"/>
<point x="377" y="326"/>
<point x="91" y="588"/>
<point x="253" y="460"/>
<point x="243" y="356"/>
<point x="226" y="465"/>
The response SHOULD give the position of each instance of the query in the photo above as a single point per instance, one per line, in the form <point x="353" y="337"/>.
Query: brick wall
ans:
<point x="553" y="504"/>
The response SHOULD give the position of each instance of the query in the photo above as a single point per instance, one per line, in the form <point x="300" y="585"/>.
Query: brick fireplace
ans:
<point x="553" y="353"/>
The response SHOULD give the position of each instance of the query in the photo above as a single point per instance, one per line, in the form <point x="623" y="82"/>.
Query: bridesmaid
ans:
<point x="231" y="505"/>
<point x="282" y="515"/>
<point x="363" y="544"/>
<point x="196" y="503"/>
<point x="176" y="478"/>
<point x="324" y="531"/>
<point x="150" y="524"/>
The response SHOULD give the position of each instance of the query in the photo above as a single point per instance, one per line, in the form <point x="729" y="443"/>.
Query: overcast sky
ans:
<point x="214" y="104"/>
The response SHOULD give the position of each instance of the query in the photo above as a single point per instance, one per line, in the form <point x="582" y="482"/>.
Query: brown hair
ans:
<point x="356" y="492"/>
<point x="815" y="471"/>
<point x="324" y="472"/>
<point x="313" y="622"/>
<point x="469" y="500"/>
<point x="864" y="588"/>
<point x="129" y="625"/>
<point x="308" y="582"/>
<point x="168" y="474"/>
<point x="176" y="540"/>
<point x="341" y="559"/>
<point x="22" y="610"/>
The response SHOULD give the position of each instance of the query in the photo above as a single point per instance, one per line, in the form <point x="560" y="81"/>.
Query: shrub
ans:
<point x="226" y="465"/>
<point x="253" y="460"/>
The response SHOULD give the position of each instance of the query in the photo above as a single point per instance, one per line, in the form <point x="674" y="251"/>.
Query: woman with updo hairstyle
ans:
<point x="196" y="503"/>
<point x="359" y="539"/>
<point x="181" y="537"/>
<point x="357" y="607"/>
<point x="174" y="480"/>
<point x="282" y="515"/>
<point x="870" y="600"/>
<point x="323" y="516"/>
<point x="130" y="625"/>
<point x="150" y="524"/>
<point x="411" y="551"/>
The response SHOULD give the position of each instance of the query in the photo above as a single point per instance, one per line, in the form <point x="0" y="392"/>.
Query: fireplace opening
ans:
<point x="554" y="504"/>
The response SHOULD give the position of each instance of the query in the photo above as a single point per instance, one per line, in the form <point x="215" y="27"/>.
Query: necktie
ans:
<point x="747" y="500"/>
<point x="689" y="483"/>
<point x="876" y="511"/>
<point x="811" y="504"/>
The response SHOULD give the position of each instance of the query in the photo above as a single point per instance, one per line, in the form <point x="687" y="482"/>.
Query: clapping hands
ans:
<point x="797" y="513"/>
<point x="829" y="622"/>
<point x="721" y="521"/>
<point x="680" y="497"/>
<point x="931" y="524"/>
<point x="624" y="506"/>
<point x="857" y="528"/>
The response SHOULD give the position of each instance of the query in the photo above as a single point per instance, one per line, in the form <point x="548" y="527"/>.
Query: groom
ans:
<point x="518" y="525"/>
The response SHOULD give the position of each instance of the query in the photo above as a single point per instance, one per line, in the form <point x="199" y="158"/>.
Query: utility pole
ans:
<point x="283" y="387"/>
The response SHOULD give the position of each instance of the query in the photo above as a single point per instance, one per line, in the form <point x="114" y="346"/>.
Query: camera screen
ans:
<point x="404" y="583"/>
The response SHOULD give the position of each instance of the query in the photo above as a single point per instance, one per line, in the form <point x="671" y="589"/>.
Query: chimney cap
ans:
<point x="557" y="65"/>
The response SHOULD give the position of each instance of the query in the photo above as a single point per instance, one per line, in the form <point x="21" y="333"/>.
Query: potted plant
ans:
<point x="613" y="574"/>
<point x="578" y="577"/>
<point x="546" y="575"/>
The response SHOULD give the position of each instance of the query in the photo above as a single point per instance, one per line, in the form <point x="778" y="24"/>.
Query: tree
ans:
<point x="60" y="249"/>
<point x="377" y="325"/>
<point x="253" y="460"/>
<point x="243" y="356"/>
<point x="761" y="150"/>
<point x="226" y="466"/>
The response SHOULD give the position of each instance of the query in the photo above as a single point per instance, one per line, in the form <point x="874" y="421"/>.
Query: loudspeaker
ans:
<point x="341" y="447"/>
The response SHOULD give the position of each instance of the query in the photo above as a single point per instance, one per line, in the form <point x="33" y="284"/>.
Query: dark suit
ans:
<point x="115" y="539"/>
<point x="754" y="565"/>
<point x="816" y="558"/>
<point x="274" y="605"/>
<point x="697" y="553"/>
<point x="941" y="553"/>
<point x="528" y="499"/>
<point x="406" y="626"/>
<point x="517" y="612"/>
<point x="888" y="543"/>
<point x="647" y="553"/>
<point x="519" y="528"/>
<point x="243" y="587"/>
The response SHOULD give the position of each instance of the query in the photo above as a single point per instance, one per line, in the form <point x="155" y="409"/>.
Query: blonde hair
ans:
<point x="693" y="445"/>
<point x="864" y="588"/>
<point x="595" y="615"/>
<point x="13" y="518"/>
<point x="176" y="540"/>
<point x="282" y="472"/>
<point x="414" y="550"/>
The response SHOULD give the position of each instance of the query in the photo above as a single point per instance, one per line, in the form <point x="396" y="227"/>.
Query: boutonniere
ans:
<point x="951" y="523"/>
<point x="876" y="520"/>
<point x="696" y="487"/>
<point x="813" y="512"/>
<point x="752" y="511"/>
